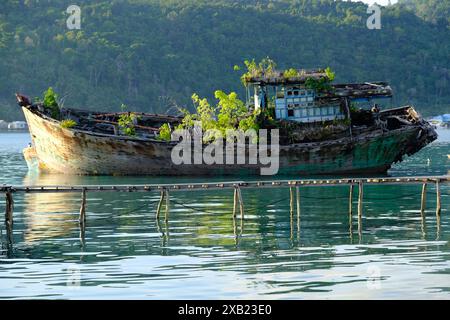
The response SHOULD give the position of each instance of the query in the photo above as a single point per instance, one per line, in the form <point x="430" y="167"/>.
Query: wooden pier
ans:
<point x="294" y="190"/>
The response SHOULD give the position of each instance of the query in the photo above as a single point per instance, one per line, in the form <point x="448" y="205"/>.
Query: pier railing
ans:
<point x="238" y="203"/>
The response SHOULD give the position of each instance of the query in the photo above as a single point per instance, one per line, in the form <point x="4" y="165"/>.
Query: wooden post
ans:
<point x="241" y="207"/>
<point x="241" y="203"/>
<point x="9" y="208"/>
<point x="423" y="201"/>
<point x="291" y="200"/>
<point x="438" y="199"/>
<point x="161" y="199"/>
<point x="83" y="208"/>
<point x="438" y="227"/>
<point x="360" y="198"/>
<point x="82" y="236"/>
<point x="234" y="227"/>
<point x="350" y="210"/>
<point x="297" y="193"/>
<point x="235" y="202"/>
<point x="350" y="201"/>
<point x="360" y="205"/>
<point x="166" y="217"/>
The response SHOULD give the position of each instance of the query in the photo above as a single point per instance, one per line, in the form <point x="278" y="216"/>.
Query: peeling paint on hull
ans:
<point x="72" y="151"/>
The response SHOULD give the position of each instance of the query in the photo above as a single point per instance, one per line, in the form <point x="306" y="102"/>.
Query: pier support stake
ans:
<point x="350" y="201"/>
<point x="438" y="210"/>
<point x="166" y="216"/>
<point x="161" y="199"/>
<point x="360" y="205"/>
<point x="423" y="201"/>
<point x="241" y="203"/>
<point x="438" y="199"/>
<point x="82" y="220"/>
<point x="235" y="202"/>
<point x="297" y="193"/>
<point x="291" y="201"/>
<point x="291" y="210"/>
<point x="9" y="209"/>
<point x="350" y="210"/>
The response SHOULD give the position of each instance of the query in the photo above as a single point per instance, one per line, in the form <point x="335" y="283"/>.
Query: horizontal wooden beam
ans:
<point x="225" y="185"/>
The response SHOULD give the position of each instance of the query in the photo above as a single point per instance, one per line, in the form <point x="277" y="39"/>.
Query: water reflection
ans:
<point x="49" y="215"/>
<point x="201" y="251"/>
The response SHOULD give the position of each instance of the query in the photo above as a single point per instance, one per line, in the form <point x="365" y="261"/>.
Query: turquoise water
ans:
<point x="202" y="253"/>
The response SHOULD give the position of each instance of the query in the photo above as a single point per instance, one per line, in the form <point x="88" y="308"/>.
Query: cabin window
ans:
<point x="317" y="111"/>
<point x="278" y="114"/>
<point x="330" y="110"/>
<point x="290" y="113"/>
<point x="336" y="110"/>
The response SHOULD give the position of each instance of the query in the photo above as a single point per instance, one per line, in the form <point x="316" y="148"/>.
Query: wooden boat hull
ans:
<point x="72" y="151"/>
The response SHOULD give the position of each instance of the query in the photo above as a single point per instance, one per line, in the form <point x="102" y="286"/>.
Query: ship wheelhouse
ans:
<point x="295" y="99"/>
<point x="298" y="103"/>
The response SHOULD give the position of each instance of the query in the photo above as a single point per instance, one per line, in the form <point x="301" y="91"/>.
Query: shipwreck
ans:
<point x="322" y="131"/>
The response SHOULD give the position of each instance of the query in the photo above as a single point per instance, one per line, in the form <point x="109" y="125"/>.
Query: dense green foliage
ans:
<point x="228" y="114"/>
<point x="126" y="123"/>
<point x="50" y="102"/>
<point x="153" y="54"/>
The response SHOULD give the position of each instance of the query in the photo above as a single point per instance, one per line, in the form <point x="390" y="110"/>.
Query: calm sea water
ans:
<point x="202" y="253"/>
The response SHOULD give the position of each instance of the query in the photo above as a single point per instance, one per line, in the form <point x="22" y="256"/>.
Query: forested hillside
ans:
<point x="435" y="11"/>
<point x="151" y="55"/>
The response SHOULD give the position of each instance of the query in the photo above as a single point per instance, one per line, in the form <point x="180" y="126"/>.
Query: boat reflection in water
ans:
<point x="49" y="215"/>
<point x="126" y="215"/>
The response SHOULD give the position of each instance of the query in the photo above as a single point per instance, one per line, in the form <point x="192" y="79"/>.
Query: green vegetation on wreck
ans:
<point x="227" y="114"/>
<point x="127" y="122"/>
<point x="68" y="123"/>
<point x="231" y="113"/>
<point x="50" y="103"/>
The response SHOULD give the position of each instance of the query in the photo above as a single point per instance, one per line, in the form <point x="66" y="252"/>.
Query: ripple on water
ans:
<point x="203" y="253"/>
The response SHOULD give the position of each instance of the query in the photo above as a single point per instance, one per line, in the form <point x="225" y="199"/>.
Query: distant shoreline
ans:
<point x="13" y="130"/>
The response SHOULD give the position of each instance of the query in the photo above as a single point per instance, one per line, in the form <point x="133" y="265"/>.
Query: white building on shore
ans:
<point x="15" y="125"/>
<point x="3" y="125"/>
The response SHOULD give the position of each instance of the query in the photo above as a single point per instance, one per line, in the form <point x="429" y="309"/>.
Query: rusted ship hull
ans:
<point x="73" y="151"/>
